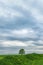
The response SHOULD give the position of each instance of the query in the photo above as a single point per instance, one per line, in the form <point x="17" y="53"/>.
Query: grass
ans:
<point x="29" y="59"/>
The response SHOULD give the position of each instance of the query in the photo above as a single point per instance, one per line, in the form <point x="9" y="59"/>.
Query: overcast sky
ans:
<point x="21" y="24"/>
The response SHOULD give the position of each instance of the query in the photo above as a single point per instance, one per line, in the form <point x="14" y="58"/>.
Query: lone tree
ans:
<point x="21" y="51"/>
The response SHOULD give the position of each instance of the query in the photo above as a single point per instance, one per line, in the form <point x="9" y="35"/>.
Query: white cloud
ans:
<point x="21" y="33"/>
<point x="9" y="13"/>
<point x="38" y="47"/>
<point x="40" y="3"/>
<point x="24" y="33"/>
<point x="40" y="42"/>
<point x="37" y="15"/>
<point x="12" y="43"/>
<point x="15" y="33"/>
<point x="30" y="43"/>
<point x="19" y="3"/>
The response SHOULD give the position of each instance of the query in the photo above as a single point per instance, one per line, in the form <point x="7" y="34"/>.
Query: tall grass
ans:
<point x="29" y="59"/>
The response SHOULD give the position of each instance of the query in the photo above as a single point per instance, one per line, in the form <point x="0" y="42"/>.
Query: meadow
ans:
<point x="28" y="59"/>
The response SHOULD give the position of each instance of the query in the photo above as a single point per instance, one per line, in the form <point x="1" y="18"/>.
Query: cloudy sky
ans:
<point x="21" y="24"/>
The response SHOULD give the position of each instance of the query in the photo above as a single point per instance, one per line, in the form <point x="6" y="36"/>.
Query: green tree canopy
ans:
<point x="21" y="51"/>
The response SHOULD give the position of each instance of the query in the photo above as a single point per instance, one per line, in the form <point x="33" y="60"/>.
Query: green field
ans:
<point x="29" y="59"/>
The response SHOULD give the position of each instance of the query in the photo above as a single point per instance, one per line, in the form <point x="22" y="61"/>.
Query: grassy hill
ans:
<point x="29" y="59"/>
